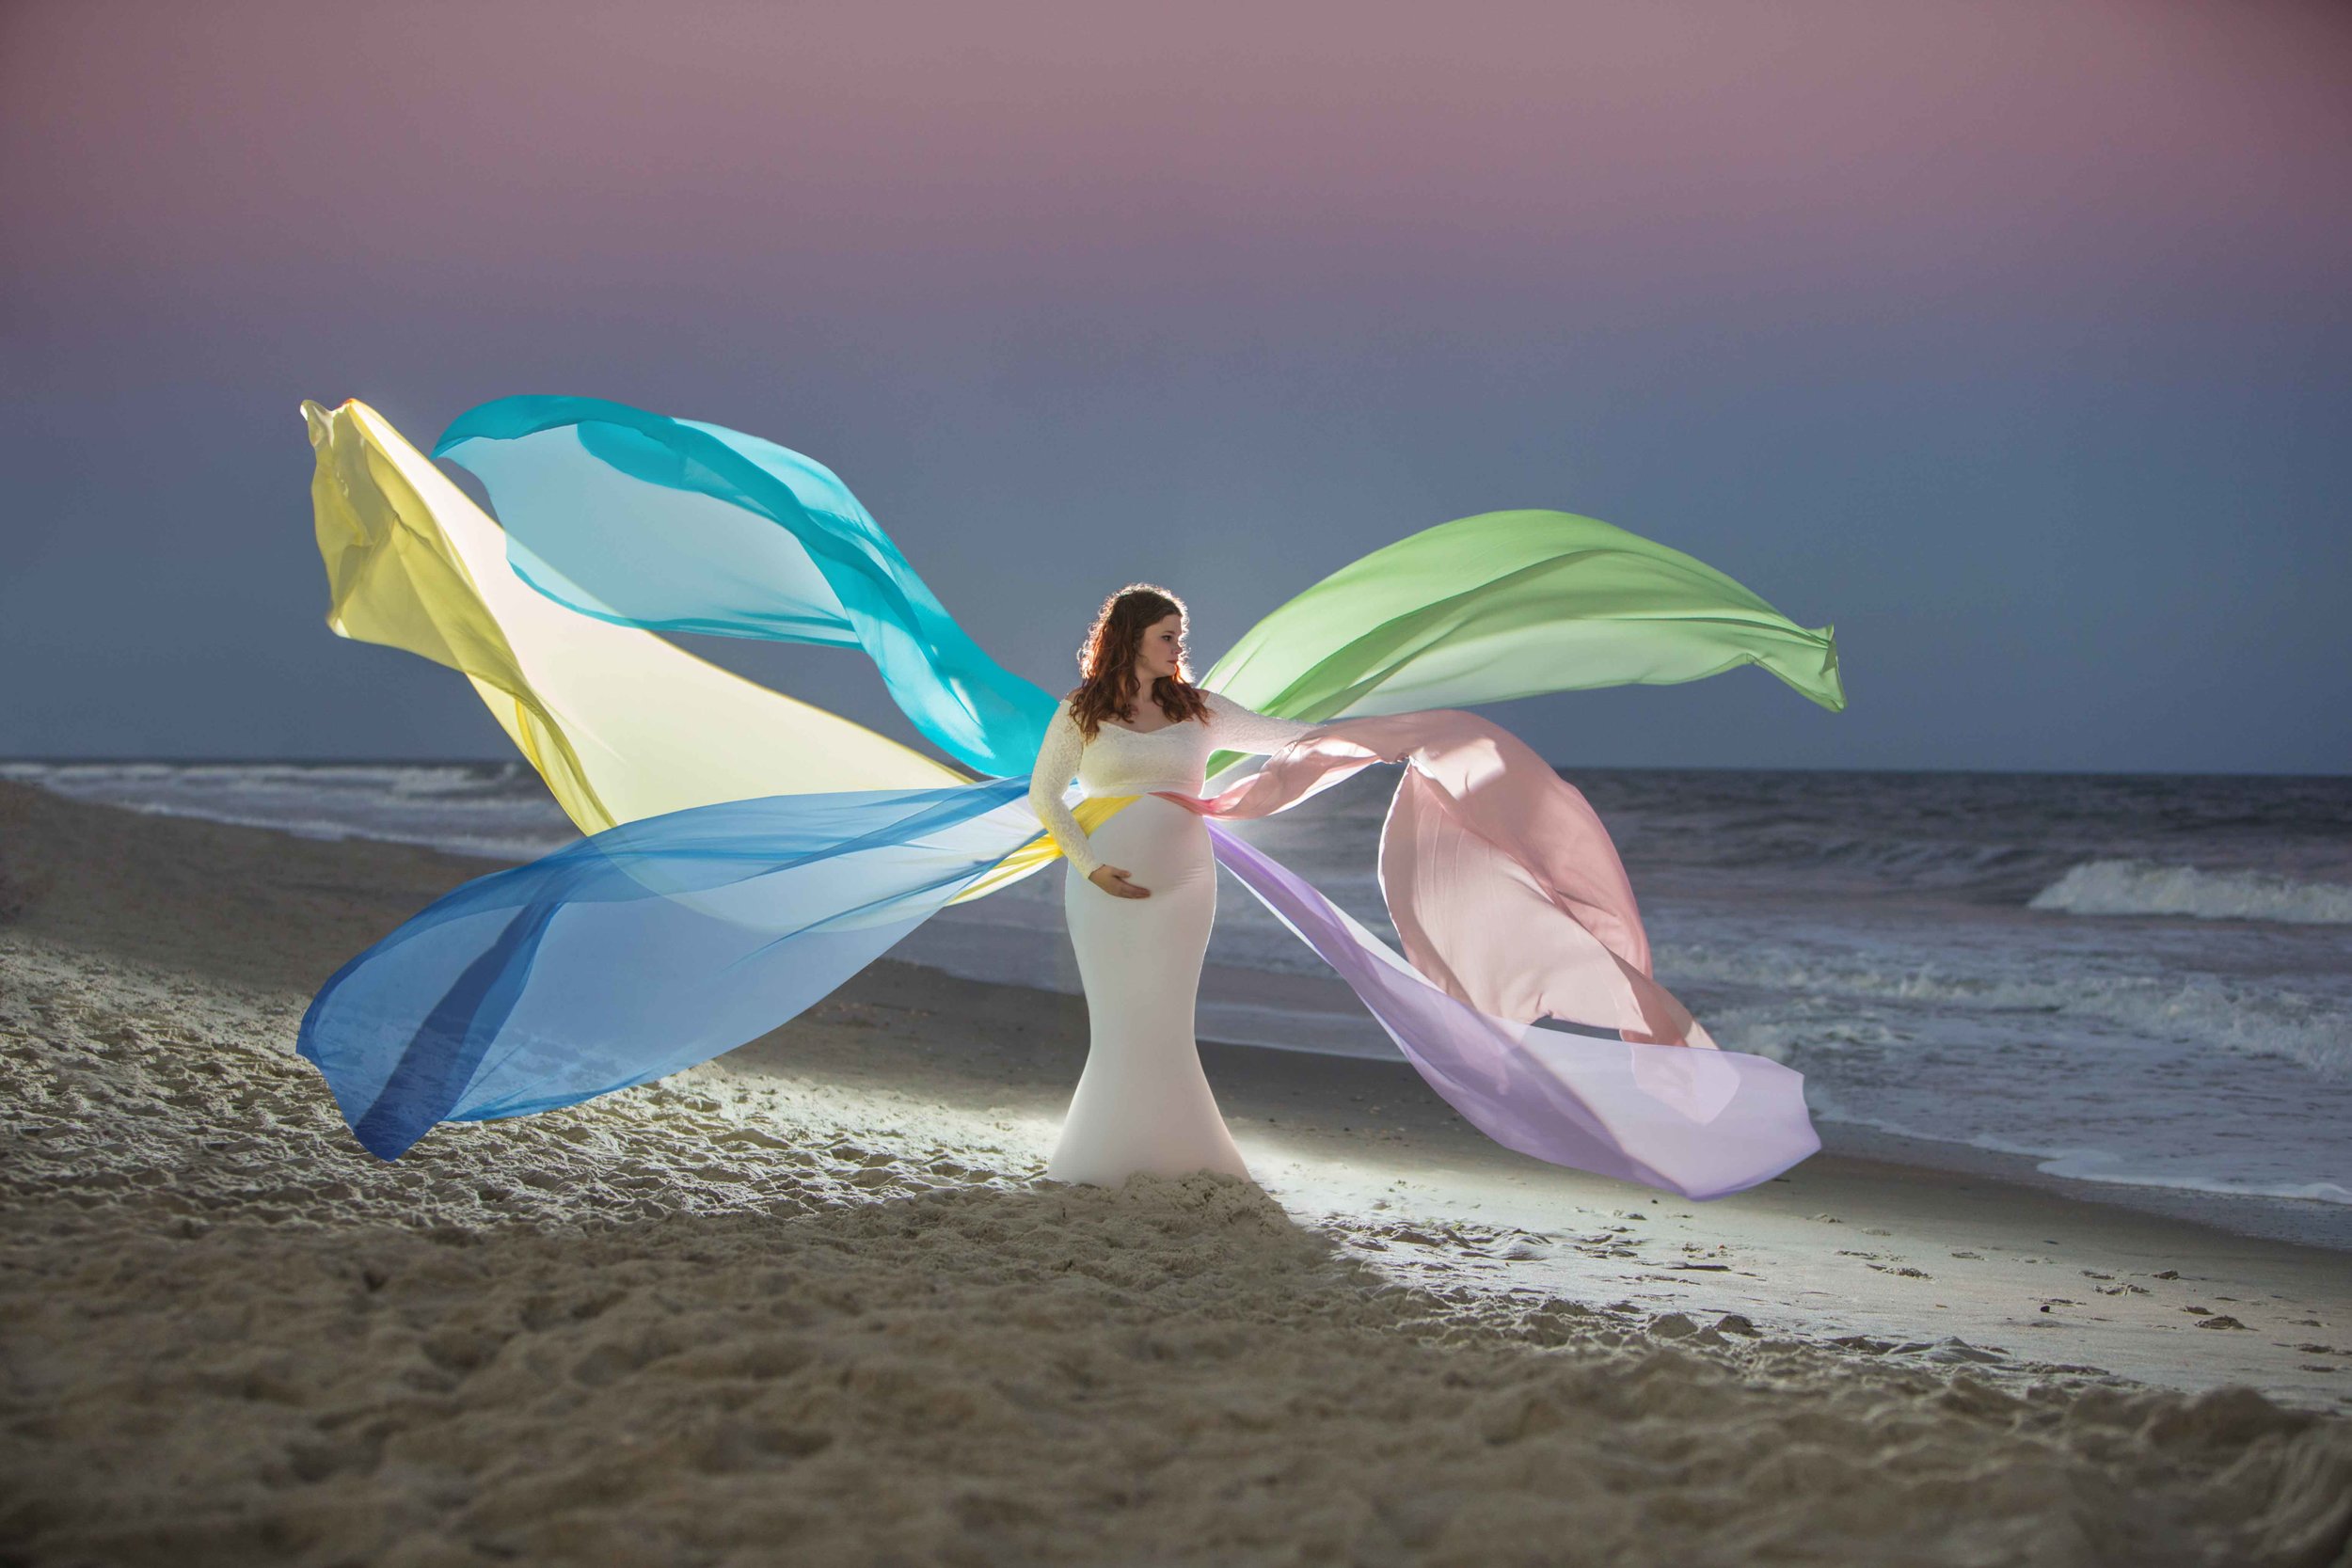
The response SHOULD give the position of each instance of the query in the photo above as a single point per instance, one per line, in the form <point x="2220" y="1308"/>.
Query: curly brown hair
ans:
<point x="1106" y="662"/>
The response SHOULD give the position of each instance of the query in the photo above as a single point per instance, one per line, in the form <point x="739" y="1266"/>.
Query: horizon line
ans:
<point x="1556" y="766"/>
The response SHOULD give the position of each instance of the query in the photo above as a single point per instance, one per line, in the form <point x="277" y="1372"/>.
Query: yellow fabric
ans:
<point x="620" y="723"/>
<point x="1043" y="851"/>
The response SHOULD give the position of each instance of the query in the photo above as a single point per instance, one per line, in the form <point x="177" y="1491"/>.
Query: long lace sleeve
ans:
<point x="1235" y="728"/>
<point x="1056" y="762"/>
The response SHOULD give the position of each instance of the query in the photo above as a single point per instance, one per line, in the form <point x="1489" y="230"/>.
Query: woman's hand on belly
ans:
<point x="1113" y="881"/>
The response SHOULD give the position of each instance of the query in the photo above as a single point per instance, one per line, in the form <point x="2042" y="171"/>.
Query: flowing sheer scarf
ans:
<point x="747" y="852"/>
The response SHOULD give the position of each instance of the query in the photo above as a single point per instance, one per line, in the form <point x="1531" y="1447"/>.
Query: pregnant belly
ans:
<point x="1159" y="844"/>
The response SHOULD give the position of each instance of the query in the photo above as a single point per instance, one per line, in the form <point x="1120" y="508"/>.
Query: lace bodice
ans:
<point x="1124" y="762"/>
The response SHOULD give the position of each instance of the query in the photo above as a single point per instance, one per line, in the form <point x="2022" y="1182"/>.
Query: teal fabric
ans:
<point x="674" y="525"/>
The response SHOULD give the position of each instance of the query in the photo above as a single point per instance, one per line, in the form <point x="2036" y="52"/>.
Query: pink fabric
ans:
<point x="1505" y="889"/>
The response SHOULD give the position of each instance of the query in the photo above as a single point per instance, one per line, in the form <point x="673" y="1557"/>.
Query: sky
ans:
<point x="2011" y="339"/>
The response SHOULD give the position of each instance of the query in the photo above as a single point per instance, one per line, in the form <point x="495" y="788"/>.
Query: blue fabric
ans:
<point x="674" y="525"/>
<point x="640" y="951"/>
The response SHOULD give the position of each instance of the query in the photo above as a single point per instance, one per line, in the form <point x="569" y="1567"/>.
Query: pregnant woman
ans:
<point x="1141" y="891"/>
<point x="745" y="853"/>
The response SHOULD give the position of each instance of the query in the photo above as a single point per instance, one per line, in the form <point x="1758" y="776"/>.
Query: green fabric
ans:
<point x="1511" y="604"/>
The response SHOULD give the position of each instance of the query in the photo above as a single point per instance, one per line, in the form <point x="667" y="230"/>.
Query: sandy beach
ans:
<point x="812" y="1301"/>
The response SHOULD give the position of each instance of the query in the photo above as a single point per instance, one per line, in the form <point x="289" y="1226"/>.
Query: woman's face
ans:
<point x="1163" y="648"/>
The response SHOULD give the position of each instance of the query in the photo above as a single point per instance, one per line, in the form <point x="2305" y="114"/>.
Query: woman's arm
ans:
<point x="1057" y="761"/>
<point x="1235" y="728"/>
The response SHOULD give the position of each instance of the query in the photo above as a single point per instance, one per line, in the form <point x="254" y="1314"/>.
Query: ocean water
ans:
<point x="2138" y="980"/>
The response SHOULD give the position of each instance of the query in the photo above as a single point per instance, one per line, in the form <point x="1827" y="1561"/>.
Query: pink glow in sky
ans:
<point x="1904" y="150"/>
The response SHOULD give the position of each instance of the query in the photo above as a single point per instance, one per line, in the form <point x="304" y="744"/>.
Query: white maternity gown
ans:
<point x="1142" y="1103"/>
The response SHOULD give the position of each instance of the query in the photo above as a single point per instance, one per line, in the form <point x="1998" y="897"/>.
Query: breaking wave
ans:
<point x="2132" y="887"/>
